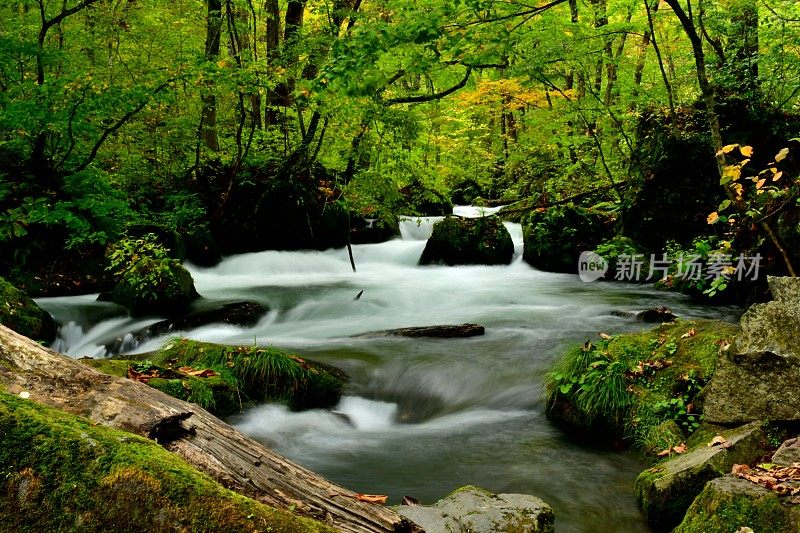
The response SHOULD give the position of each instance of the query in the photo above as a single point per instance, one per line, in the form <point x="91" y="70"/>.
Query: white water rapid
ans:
<point x="421" y="416"/>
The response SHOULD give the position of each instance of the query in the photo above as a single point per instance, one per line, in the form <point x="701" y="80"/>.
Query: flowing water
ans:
<point x="421" y="416"/>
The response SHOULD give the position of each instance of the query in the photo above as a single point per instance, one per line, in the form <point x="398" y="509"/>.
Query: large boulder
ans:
<point x="479" y="511"/>
<point x="730" y="504"/>
<point x="468" y="241"/>
<point x="757" y="376"/>
<point x="665" y="491"/>
<point x="20" y="313"/>
<point x="555" y="237"/>
<point x="171" y="295"/>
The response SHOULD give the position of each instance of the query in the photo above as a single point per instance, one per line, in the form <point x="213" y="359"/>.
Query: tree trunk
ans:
<point x="208" y="116"/>
<point x="202" y="440"/>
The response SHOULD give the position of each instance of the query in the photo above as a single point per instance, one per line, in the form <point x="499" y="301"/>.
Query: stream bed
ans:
<point x="421" y="416"/>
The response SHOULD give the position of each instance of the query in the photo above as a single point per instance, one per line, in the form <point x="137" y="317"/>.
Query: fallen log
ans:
<point x="235" y="461"/>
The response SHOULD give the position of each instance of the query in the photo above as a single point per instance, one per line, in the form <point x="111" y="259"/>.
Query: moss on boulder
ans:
<point x="469" y="241"/>
<point x="20" y="313"/>
<point x="60" y="472"/>
<point x="172" y="296"/>
<point x="665" y="491"/>
<point x="642" y="387"/>
<point x="240" y="375"/>
<point x="728" y="504"/>
<point x="555" y="237"/>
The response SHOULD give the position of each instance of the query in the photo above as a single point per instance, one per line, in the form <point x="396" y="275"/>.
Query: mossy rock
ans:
<point x="665" y="491"/>
<point x="20" y="313"/>
<point x="477" y="510"/>
<point x="468" y="241"/>
<point x="60" y="472"/>
<point x="728" y="504"/>
<point x="243" y="375"/>
<point x="629" y="387"/>
<point x="555" y="237"/>
<point x="172" y="296"/>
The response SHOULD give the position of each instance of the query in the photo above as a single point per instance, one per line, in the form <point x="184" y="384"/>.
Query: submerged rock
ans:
<point x="469" y="241"/>
<point x="665" y="491"/>
<point x="479" y="511"/>
<point x="20" y="313"/>
<point x="729" y="504"/>
<point x="653" y="315"/>
<point x="243" y="314"/>
<point x="444" y="332"/>
<point x="757" y="376"/>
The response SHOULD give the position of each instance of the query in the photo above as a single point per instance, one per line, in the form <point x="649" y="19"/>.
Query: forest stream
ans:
<point x="421" y="417"/>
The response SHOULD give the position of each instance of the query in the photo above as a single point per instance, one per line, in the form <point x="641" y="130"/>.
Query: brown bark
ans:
<point x="202" y="440"/>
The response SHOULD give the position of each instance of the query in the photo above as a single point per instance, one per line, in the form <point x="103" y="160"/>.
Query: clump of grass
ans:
<point x="641" y="387"/>
<point x="243" y="375"/>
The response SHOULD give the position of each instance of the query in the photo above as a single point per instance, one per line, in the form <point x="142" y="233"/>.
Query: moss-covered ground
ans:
<point x="60" y="472"/>
<point x="642" y="387"/>
<point x="240" y="375"/>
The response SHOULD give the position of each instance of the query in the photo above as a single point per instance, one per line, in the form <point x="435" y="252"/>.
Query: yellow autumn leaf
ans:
<point x="777" y="176"/>
<point x="746" y="151"/>
<point x="782" y="155"/>
<point x="728" y="149"/>
<point x="760" y="183"/>
<point x="739" y="189"/>
<point x="713" y="218"/>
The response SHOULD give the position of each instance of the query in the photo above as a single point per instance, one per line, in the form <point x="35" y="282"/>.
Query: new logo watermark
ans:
<point x="591" y="266"/>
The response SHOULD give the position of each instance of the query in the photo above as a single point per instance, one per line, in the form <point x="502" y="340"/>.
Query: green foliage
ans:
<point x="643" y="387"/>
<point x="147" y="277"/>
<point x="63" y="472"/>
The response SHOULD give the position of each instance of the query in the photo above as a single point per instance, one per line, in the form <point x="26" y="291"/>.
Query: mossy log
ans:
<point x="202" y="440"/>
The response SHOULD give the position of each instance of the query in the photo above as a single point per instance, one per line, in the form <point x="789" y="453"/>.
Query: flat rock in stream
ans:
<point x="243" y="314"/>
<point x="477" y="510"/>
<point x="442" y="331"/>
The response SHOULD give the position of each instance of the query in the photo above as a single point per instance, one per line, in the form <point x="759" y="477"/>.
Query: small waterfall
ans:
<point x="516" y="237"/>
<point x="474" y="211"/>
<point x="417" y="228"/>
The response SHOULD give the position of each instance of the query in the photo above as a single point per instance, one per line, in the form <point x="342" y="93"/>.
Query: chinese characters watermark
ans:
<point x="639" y="267"/>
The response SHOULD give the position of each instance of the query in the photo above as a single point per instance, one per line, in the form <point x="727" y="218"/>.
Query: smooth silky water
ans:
<point x="421" y="417"/>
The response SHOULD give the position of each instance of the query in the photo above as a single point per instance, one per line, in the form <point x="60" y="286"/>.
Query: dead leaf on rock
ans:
<point x="605" y="336"/>
<point x="372" y="498"/>
<point x="718" y="440"/>
<point x="691" y="333"/>
<point x="680" y="448"/>
<point x="205" y="373"/>
<point x="740" y="469"/>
